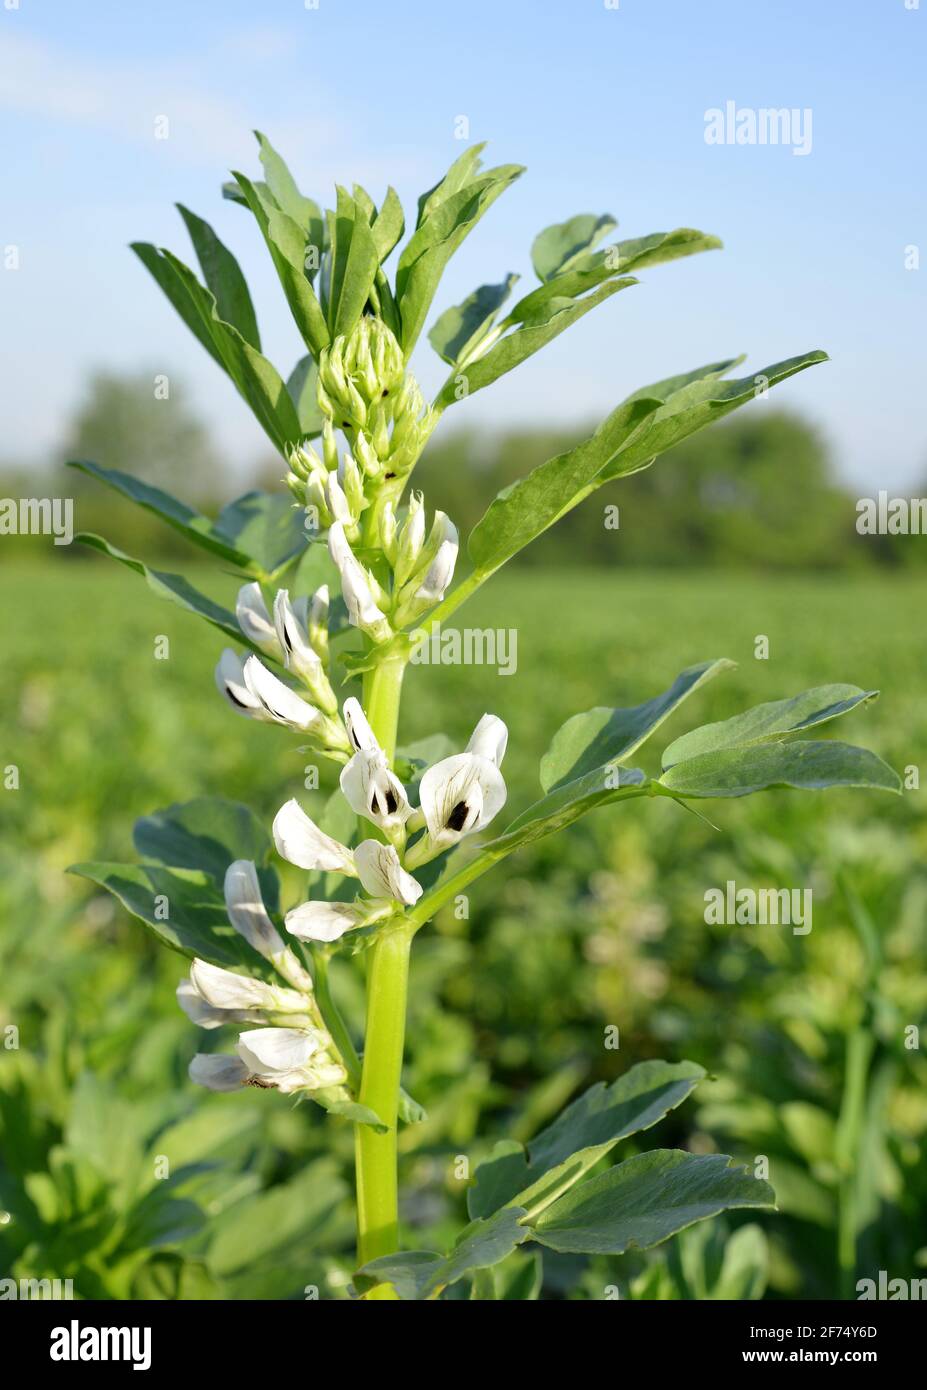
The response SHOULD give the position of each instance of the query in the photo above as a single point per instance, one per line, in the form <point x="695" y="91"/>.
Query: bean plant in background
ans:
<point x="342" y="577"/>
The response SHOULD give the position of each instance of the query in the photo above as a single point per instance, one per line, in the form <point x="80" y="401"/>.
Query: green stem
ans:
<point x="387" y="983"/>
<point x="332" y="1017"/>
<point x="859" y="1050"/>
<point x="376" y="1154"/>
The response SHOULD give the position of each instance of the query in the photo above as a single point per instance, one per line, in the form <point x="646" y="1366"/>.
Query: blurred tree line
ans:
<point x="759" y="490"/>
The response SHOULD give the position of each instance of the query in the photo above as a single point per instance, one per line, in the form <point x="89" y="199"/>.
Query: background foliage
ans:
<point x="601" y="927"/>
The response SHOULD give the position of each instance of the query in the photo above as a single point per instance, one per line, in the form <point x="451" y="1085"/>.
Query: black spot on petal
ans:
<point x="458" y="817"/>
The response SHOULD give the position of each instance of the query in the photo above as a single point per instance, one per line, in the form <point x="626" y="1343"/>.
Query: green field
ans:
<point x="601" y="927"/>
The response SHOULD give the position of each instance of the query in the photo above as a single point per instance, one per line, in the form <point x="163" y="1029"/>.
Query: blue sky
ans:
<point x="605" y="105"/>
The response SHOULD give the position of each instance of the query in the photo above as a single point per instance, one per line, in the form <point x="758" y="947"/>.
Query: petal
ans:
<point x="246" y="910"/>
<point x="373" y="791"/>
<point x="293" y="638"/>
<point x="231" y="683"/>
<point x="489" y="739"/>
<point x="200" y="1013"/>
<point x="321" y="921"/>
<point x="223" y="989"/>
<point x="218" y="1071"/>
<point x="268" y="1050"/>
<point x="460" y="795"/>
<point x="300" y="841"/>
<point x="254" y="619"/>
<point x="439" y="573"/>
<point x="280" y="702"/>
<point x="382" y="875"/>
<point x="355" y="586"/>
<point x="359" y="731"/>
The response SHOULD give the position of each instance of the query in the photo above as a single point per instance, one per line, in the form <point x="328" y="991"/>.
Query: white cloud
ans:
<point x="207" y="127"/>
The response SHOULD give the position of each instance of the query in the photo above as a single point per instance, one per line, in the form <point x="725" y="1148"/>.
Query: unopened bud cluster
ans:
<point x="364" y="391"/>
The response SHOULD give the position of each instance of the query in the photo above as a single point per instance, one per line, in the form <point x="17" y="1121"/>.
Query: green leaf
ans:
<point x="196" y="923"/>
<point x="461" y="172"/>
<point x="420" y="1274"/>
<point x="589" y="270"/>
<point x="445" y="221"/>
<point x="703" y="401"/>
<point x="807" y="766"/>
<point x="459" y="330"/>
<point x="512" y="349"/>
<point x="282" y="186"/>
<point x="647" y="1199"/>
<point x="198" y="529"/>
<point x="257" y="380"/>
<point x="205" y="834"/>
<point x="173" y="587"/>
<point x="266" y="1225"/>
<point x="288" y="243"/>
<point x="529" y="506"/>
<point x="176" y="290"/>
<point x="388" y="224"/>
<point x="350" y="1110"/>
<point x="557" y="247"/>
<point x="580" y="1136"/>
<point x="647" y="423"/>
<point x="567" y="803"/>
<point x="355" y="261"/>
<point x="223" y="276"/>
<point x="266" y="526"/>
<point x="301" y="384"/>
<point x="771" y="722"/>
<point x="602" y="735"/>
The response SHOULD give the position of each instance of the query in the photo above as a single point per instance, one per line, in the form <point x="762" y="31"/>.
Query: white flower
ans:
<point x="249" y="917"/>
<point x="462" y="794"/>
<point x="373" y="791"/>
<point x="300" y="841"/>
<point x="247" y="913"/>
<point x="338" y="506"/>
<point x="324" y="921"/>
<point x="218" y="1071"/>
<point x="440" y="571"/>
<point x="489" y="739"/>
<point x="356" y="587"/>
<point x="439" y="574"/>
<point x="292" y="630"/>
<point x="255" y="621"/>
<point x="317" y="620"/>
<point x="205" y="1015"/>
<point x="290" y="1059"/>
<point x="230" y="680"/>
<point x="359" y="731"/>
<point x="278" y="701"/>
<point x="223" y="989"/>
<point x="382" y="875"/>
<point x="410" y="540"/>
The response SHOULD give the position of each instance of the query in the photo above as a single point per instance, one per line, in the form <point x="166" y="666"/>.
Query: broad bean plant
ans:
<point x="343" y="572"/>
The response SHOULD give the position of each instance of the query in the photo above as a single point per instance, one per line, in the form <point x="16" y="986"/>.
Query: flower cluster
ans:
<point x="296" y="636"/>
<point x="290" y="1049"/>
<point x="392" y="569"/>
<point x="363" y="390"/>
<point x="457" y="796"/>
